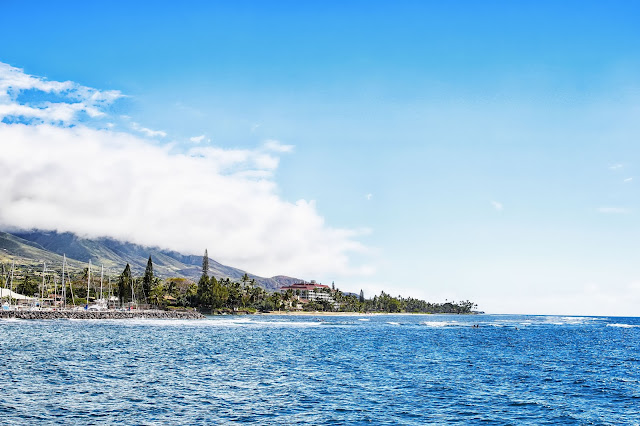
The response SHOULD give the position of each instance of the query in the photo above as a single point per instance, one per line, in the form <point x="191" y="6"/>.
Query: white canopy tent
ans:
<point x="5" y="292"/>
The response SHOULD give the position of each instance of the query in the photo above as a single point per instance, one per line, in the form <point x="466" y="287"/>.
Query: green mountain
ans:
<point x="37" y="246"/>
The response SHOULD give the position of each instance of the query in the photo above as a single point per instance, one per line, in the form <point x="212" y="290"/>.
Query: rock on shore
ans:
<point x="68" y="314"/>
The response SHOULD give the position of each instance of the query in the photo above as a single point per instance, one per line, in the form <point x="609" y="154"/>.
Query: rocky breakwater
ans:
<point x="70" y="314"/>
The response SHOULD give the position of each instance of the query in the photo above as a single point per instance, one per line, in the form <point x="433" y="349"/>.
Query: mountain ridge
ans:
<point x="113" y="254"/>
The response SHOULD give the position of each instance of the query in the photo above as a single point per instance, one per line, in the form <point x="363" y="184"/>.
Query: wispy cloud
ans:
<point x="627" y="180"/>
<point x="148" y="132"/>
<point x="68" y="175"/>
<point x="276" y="146"/>
<point x="617" y="166"/>
<point x="78" y="99"/>
<point x="497" y="205"/>
<point x="368" y="196"/>
<point x="197" y="139"/>
<point x="614" y="210"/>
<point x="231" y="161"/>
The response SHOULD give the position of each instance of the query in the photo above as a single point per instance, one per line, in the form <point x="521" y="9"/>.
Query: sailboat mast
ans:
<point x="88" y="281"/>
<point x="6" y="283"/>
<point x="64" y="287"/>
<point x="55" y="290"/>
<point x="73" y="297"/>
<point x="109" y="297"/>
<point x="101" y="277"/>
<point x="13" y="267"/>
<point x="44" y="268"/>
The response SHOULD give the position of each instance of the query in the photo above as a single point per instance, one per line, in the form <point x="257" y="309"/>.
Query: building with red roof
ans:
<point x="306" y="292"/>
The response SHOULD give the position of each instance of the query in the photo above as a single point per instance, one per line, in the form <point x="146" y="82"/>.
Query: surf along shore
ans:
<point x="342" y="314"/>
<point x="70" y="314"/>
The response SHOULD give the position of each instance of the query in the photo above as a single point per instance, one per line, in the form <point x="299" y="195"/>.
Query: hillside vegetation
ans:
<point x="36" y="247"/>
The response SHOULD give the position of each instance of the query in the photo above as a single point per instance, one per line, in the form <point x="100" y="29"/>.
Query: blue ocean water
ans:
<point x="279" y="370"/>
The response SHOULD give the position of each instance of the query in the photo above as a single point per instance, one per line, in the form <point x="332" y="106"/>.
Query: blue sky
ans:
<point x="481" y="150"/>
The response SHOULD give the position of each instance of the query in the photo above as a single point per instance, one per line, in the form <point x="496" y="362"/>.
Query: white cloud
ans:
<point x="628" y="180"/>
<point x="95" y="181"/>
<point x="276" y="146"/>
<point x="197" y="139"/>
<point x="616" y="166"/>
<point x="14" y="80"/>
<point x="148" y="132"/>
<point x="614" y="210"/>
<point x="368" y="197"/>
<point x="235" y="160"/>
<point x="497" y="205"/>
<point x="77" y="98"/>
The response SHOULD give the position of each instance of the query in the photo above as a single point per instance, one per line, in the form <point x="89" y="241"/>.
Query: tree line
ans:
<point x="214" y="295"/>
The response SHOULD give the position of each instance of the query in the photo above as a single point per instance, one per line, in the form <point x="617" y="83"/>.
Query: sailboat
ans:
<point x="99" y="303"/>
<point x="7" y="305"/>
<point x="15" y="301"/>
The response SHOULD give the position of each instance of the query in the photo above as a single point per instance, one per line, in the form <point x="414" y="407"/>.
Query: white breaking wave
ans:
<point x="441" y="323"/>
<point x="623" y="325"/>
<point x="549" y="320"/>
<point x="209" y="322"/>
<point x="285" y="323"/>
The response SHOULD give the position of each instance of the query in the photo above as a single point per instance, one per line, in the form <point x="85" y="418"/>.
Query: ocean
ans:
<point x="285" y="370"/>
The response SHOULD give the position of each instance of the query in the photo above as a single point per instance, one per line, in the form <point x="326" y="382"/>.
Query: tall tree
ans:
<point x="205" y="264"/>
<point x="204" y="286"/>
<point x="361" y="299"/>
<point x="147" y="280"/>
<point x="204" y="291"/>
<point x="124" y="285"/>
<point x="219" y="293"/>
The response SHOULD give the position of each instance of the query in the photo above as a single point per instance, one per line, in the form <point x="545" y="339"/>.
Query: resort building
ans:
<point x="310" y="292"/>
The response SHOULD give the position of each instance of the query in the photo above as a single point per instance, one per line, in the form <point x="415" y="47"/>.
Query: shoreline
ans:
<point x="346" y="314"/>
<point x="69" y="314"/>
<point x="188" y="315"/>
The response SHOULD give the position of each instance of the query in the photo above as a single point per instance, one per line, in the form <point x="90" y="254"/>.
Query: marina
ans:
<point x="95" y="315"/>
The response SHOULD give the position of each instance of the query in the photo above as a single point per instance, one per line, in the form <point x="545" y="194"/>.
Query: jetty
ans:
<point x="87" y="314"/>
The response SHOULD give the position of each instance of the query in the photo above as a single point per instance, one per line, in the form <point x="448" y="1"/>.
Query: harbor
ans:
<point x="98" y="315"/>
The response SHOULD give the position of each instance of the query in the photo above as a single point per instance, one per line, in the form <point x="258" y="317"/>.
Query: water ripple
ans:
<point x="410" y="370"/>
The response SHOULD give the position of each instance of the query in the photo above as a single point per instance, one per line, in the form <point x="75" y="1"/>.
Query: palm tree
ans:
<point x="277" y="299"/>
<point x="245" y="278"/>
<point x="157" y="294"/>
<point x="257" y="294"/>
<point x="287" y="296"/>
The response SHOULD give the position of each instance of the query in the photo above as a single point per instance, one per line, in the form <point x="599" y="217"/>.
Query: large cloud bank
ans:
<point x="66" y="168"/>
